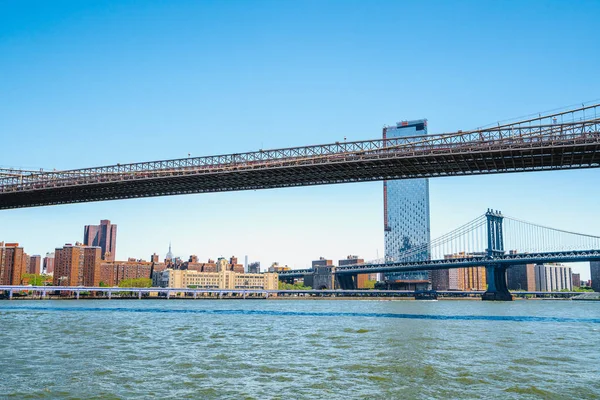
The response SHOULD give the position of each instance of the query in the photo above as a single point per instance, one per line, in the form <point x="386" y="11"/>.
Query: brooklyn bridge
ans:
<point x="562" y="140"/>
<point x="568" y="139"/>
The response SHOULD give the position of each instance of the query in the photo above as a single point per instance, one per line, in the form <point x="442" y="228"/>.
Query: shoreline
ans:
<point x="271" y="298"/>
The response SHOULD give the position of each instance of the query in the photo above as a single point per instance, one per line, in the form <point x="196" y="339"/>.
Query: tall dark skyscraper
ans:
<point x="103" y="236"/>
<point x="406" y="215"/>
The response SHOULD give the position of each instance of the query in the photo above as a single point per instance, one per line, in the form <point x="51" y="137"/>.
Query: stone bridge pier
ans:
<point x="323" y="278"/>
<point x="497" y="289"/>
<point x="346" y="281"/>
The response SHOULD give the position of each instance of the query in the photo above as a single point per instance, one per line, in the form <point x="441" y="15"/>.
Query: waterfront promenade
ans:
<point x="69" y="292"/>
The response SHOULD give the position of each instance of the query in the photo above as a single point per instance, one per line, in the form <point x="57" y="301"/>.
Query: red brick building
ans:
<point x="521" y="277"/>
<point x="112" y="273"/>
<point x="461" y="279"/>
<point x="13" y="264"/>
<point x="104" y="236"/>
<point x="576" y="280"/>
<point x="77" y="265"/>
<point x="35" y="265"/>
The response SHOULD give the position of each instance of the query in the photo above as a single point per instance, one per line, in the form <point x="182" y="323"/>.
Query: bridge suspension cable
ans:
<point x="463" y="242"/>
<point x="526" y="237"/>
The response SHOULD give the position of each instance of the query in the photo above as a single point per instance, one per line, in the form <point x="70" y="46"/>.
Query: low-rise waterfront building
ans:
<point x="222" y="279"/>
<point x="540" y="277"/>
<point x="112" y="273"/>
<point x="552" y="277"/>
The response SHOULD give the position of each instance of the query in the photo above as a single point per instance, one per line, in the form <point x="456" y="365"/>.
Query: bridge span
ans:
<point x="492" y="240"/>
<point x="563" y="140"/>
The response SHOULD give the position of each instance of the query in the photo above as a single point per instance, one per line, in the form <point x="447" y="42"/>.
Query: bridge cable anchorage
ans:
<point x="566" y="139"/>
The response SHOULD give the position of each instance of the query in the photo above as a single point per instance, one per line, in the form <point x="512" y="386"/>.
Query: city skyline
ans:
<point x="202" y="91"/>
<point x="265" y="163"/>
<point x="34" y="261"/>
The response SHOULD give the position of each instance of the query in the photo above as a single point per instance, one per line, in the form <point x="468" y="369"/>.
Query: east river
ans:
<point x="304" y="349"/>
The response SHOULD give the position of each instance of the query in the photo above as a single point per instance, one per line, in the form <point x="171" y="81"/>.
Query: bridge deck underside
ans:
<point x="380" y="165"/>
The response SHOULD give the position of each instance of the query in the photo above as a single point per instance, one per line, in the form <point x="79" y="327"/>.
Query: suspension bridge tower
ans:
<point x="497" y="289"/>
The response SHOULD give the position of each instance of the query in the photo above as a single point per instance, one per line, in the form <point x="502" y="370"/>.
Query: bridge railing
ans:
<point x="518" y="135"/>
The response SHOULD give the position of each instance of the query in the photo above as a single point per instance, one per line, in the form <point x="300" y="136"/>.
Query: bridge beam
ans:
<point x="497" y="289"/>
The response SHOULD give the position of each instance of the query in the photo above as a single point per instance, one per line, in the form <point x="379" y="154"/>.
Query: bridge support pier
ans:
<point x="77" y="295"/>
<point x="10" y="294"/>
<point x="347" y="282"/>
<point x="497" y="289"/>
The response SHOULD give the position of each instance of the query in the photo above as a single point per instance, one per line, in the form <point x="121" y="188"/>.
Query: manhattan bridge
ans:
<point x="568" y="139"/>
<point x="492" y="240"/>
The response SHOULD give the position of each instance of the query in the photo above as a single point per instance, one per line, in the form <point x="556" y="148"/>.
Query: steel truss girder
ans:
<point x="518" y="147"/>
<point x="506" y="259"/>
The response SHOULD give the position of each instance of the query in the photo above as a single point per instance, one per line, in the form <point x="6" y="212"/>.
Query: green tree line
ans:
<point x="136" y="283"/>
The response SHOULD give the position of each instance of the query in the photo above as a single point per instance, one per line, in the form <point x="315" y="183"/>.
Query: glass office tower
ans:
<point x="406" y="216"/>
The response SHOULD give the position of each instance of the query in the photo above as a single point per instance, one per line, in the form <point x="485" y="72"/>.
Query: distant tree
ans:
<point x="102" y="284"/>
<point x="37" y="279"/>
<point x="136" y="283"/>
<point x="289" y="286"/>
<point x="370" y="284"/>
<point x="582" y="289"/>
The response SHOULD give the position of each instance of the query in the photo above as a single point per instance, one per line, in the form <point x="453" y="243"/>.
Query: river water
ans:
<point x="304" y="349"/>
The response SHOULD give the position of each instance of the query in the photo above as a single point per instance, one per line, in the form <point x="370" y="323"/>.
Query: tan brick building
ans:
<point x="223" y="279"/>
<point x="460" y="279"/>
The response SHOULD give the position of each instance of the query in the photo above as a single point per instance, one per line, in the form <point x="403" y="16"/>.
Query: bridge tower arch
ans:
<point x="497" y="289"/>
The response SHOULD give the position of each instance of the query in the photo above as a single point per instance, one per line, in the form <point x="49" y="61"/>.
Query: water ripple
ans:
<point x="443" y="317"/>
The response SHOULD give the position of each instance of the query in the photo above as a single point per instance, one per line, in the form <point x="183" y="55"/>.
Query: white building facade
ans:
<point x="553" y="277"/>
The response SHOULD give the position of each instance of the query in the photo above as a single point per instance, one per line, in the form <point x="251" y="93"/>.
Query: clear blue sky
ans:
<point x="86" y="83"/>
